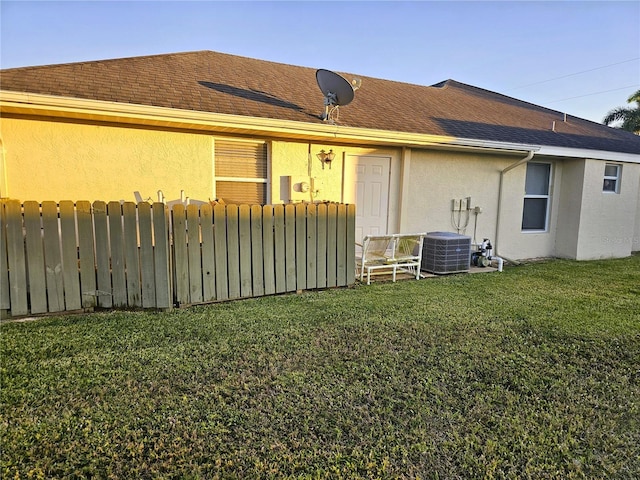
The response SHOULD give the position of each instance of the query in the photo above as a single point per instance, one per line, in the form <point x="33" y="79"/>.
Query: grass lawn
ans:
<point x="529" y="373"/>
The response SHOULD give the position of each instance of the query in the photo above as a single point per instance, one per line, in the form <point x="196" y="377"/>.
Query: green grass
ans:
<point x="531" y="373"/>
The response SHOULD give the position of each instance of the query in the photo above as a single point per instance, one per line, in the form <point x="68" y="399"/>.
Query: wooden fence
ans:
<point x="81" y="256"/>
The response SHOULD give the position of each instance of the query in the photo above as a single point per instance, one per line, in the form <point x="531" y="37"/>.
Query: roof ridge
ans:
<point x="109" y="60"/>
<point x="474" y="88"/>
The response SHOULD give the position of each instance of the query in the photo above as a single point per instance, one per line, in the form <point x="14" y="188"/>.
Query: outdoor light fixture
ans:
<point x="325" y="157"/>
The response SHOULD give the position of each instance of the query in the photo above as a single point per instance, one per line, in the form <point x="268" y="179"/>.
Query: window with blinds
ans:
<point x="241" y="172"/>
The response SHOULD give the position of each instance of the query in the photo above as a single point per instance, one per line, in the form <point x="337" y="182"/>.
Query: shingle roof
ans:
<point x="208" y="81"/>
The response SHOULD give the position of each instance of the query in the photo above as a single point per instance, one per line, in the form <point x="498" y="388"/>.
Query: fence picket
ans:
<point x="5" y="298"/>
<point x="68" y="241"/>
<point x="321" y="247"/>
<point x="257" y="253"/>
<point x="233" y="251"/>
<point x="290" y="247"/>
<point x="350" y="244"/>
<point x="180" y="254"/>
<point x="132" y="254"/>
<point x="208" y="254"/>
<point x="220" y="242"/>
<point x="332" y="258"/>
<point x="35" y="257"/>
<point x="86" y="255"/>
<point x="52" y="256"/>
<point x="194" y="254"/>
<point x="161" y="256"/>
<point x="311" y="241"/>
<point x="116" y="238"/>
<point x="103" y="267"/>
<point x="244" y="230"/>
<point x="279" y="248"/>
<point x="341" y="246"/>
<point x="301" y="247"/>
<point x="268" y="254"/>
<point x="16" y="259"/>
<point x="147" y="270"/>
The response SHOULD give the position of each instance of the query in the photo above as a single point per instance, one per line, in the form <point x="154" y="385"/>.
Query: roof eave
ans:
<point x="39" y="105"/>
<point x="566" y="152"/>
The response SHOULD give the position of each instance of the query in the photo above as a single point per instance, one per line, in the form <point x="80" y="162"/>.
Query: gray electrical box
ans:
<point x="446" y="252"/>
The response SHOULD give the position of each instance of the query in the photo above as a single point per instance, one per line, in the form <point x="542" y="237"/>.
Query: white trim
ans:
<point x="589" y="154"/>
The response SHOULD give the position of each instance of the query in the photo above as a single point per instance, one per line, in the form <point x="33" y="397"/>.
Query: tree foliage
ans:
<point x="627" y="117"/>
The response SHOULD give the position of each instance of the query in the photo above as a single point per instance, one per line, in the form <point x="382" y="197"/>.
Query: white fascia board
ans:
<point x="591" y="154"/>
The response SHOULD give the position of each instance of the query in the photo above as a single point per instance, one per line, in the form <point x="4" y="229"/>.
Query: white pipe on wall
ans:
<point x="499" y="212"/>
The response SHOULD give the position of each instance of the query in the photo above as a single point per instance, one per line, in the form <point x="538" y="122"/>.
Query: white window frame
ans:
<point x="266" y="180"/>
<point x="614" y="178"/>
<point x="534" y="196"/>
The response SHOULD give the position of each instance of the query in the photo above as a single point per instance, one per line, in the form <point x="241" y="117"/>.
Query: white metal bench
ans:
<point x="389" y="254"/>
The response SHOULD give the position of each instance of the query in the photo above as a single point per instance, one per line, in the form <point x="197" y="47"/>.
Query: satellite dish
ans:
<point x="337" y="91"/>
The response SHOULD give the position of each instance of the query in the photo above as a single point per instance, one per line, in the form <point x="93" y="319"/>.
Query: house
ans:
<point x="206" y="125"/>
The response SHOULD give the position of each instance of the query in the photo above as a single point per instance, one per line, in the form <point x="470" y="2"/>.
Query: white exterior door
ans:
<point x="366" y="184"/>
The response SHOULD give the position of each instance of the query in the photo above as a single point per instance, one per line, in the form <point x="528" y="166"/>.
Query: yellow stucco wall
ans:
<point x="300" y="161"/>
<point x="47" y="160"/>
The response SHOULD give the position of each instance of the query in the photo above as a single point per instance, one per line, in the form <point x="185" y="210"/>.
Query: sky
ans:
<point x="578" y="57"/>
